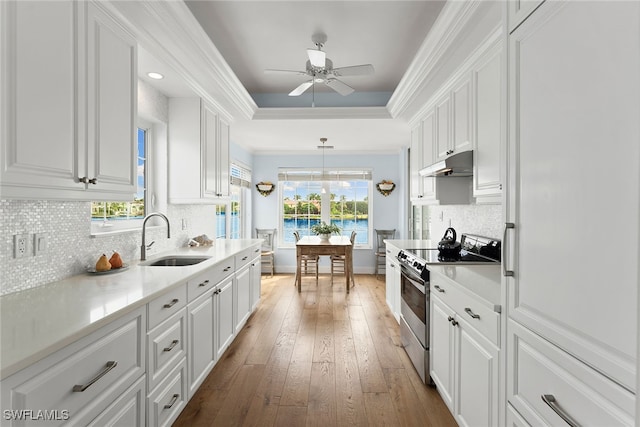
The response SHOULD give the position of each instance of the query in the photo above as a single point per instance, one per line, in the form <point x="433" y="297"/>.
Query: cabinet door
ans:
<point x="223" y="160"/>
<point x="111" y="106"/>
<point x="415" y="163"/>
<point x="443" y="132"/>
<point x="127" y="410"/>
<point x="567" y="120"/>
<point x="224" y="325"/>
<point x="428" y="148"/>
<point x="488" y="113"/>
<point x="441" y="352"/>
<point x="209" y="151"/>
<point x="461" y="115"/>
<point x="256" y="282"/>
<point x="40" y="134"/>
<point x="389" y="286"/>
<point x="243" y="297"/>
<point x="201" y="346"/>
<point x="476" y="378"/>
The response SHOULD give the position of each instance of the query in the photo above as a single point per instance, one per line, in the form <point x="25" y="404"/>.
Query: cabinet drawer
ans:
<point x="538" y="368"/>
<point x="167" y="401"/>
<point x="479" y="316"/>
<point x="127" y="410"/>
<point x="245" y="257"/>
<point x="207" y="280"/>
<point x="166" y="345"/>
<point x="166" y="305"/>
<point x="84" y="380"/>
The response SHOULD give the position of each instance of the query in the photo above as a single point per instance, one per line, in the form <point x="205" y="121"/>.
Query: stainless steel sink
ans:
<point x="174" y="261"/>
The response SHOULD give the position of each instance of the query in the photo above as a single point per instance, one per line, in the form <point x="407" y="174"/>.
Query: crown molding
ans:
<point x="169" y="30"/>
<point x="322" y="113"/>
<point x="450" y="24"/>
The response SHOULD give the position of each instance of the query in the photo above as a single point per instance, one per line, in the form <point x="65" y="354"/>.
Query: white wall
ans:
<point x="388" y="212"/>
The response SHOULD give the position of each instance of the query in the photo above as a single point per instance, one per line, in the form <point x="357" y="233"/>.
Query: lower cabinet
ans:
<point x="224" y="317"/>
<point x="243" y="296"/>
<point x="256" y="282"/>
<point x="97" y="377"/>
<point x="166" y="402"/>
<point x="392" y="286"/>
<point x="201" y="353"/>
<point x="464" y="366"/>
<point x="127" y="410"/>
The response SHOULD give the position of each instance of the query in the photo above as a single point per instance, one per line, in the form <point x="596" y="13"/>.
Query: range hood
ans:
<point x="459" y="164"/>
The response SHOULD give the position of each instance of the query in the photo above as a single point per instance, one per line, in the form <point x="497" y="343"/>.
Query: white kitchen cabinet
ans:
<point x="256" y="281"/>
<point x="568" y="121"/>
<point x="127" y="410"/>
<point x="488" y="116"/>
<point x="242" y="296"/>
<point x="392" y="281"/>
<point x="198" y="152"/>
<point x="415" y="163"/>
<point x="85" y="378"/>
<point x="461" y="115"/>
<point x="69" y="132"/>
<point x="201" y="321"/>
<point x="464" y="366"/>
<point x="224" y="318"/>
<point x="443" y="127"/>
<point x="168" y="399"/>
<point x="167" y="347"/>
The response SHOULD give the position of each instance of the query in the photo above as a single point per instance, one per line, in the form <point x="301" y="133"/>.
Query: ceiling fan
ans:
<point x="320" y="70"/>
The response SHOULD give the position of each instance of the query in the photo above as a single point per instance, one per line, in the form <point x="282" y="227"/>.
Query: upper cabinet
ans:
<point x="488" y="119"/>
<point x="69" y="102"/>
<point x="453" y="115"/>
<point x="198" y="152"/>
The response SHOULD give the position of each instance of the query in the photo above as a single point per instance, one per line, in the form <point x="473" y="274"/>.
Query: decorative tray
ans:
<point x="113" y="270"/>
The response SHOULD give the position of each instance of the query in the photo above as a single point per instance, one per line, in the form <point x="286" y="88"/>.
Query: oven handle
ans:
<point x="421" y="287"/>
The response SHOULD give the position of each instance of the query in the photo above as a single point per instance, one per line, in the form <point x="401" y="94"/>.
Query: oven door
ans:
<point x="414" y="305"/>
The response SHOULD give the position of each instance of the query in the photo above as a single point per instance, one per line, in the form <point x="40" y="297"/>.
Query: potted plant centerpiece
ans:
<point x="325" y="230"/>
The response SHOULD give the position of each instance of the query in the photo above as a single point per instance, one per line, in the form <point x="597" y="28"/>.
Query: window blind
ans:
<point x="303" y="174"/>
<point x="240" y="175"/>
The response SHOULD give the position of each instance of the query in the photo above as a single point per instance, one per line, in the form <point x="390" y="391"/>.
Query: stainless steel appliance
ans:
<point x="414" y="291"/>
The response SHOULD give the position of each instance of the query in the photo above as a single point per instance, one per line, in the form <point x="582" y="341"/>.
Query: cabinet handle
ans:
<point x="171" y="304"/>
<point x="174" y="399"/>
<point x="205" y="283"/>
<point x="244" y="258"/>
<point x="471" y="313"/>
<point x="256" y="251"/>
<point x="550" y="400"/>
<point x="227" y="268"/>
<point x="507" y="226"/>
<point x="452" y="320"/>
<point x="109" y="366"/>
<point x="438" y="288"/>
<point x="173" y="344"/>
<point x="86" y="180"/>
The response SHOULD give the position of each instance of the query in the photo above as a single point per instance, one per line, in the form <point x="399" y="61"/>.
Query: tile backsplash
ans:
<point x="70" y="249"/>
<point x="483" y="220"/>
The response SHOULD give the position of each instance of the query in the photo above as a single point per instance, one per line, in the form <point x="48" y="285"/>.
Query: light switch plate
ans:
<point x="39" y="243"/>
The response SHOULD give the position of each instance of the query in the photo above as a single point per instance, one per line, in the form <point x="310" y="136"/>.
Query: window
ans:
<point x="111" y="216"/>
<point x="342" y="198"/>
<point x="236" y="224"/>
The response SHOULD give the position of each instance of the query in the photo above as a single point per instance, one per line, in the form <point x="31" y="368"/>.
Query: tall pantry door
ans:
<point x="574" y="180"/>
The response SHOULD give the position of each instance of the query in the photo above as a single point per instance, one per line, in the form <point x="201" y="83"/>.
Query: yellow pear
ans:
<point x="103" y="264"/>
<point x="115" y="260"/>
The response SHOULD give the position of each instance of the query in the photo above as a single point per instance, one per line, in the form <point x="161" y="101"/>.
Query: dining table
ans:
<point x="314" y="245"/>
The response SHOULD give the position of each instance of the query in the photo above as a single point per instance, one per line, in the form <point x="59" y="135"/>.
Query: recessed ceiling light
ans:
<point x="156" y="76"/>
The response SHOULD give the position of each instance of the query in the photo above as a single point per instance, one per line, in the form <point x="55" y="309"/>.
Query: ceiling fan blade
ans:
<point x="340" y="87"/>
<point x="355" y="70"/>
<point x="300" y="89"/>
<point x="271" y="71"/>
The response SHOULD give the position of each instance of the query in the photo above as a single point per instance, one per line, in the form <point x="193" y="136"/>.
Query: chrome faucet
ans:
<point x="144" y="247"/>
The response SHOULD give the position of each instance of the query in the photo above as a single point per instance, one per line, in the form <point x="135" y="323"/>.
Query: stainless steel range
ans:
<point x="414" y="290"/>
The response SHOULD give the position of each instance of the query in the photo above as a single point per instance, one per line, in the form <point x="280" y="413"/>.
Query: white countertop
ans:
<point x="412" y="243"/>
<point x="482" y="281"/>
<point x="39" y="321"/>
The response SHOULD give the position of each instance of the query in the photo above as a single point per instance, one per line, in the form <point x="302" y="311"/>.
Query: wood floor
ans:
<point x="317" y="358"/>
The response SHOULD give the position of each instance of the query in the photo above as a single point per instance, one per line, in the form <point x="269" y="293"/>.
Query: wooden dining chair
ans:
<point x="267" y="257"/>
<point x="338" y="262"/>
<point x="309" y="263"/>
<point x="381" y="250"/>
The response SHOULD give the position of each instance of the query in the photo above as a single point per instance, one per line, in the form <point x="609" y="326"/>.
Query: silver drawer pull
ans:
<point x="171" y="304"/>
<point x="550" y="400"/>
<point x="173" y="401"/>
<point x="109" y="366"/>
<point x="438" y="288"/>
<point x="173" y="344"/>
<point x="505" y="272"/>
<point x="244" y="258"/>
<point x="227" y="268"/>
<point x="256" y="251"/>
<point x="205" y="283"/>
<point x="471" y="313"/>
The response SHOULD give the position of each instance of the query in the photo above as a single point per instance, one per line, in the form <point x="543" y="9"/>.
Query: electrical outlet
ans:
<point x="20" y="245"/>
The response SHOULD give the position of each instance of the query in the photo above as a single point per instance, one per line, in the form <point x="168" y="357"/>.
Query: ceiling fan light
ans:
<point x="317" y="57"/>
